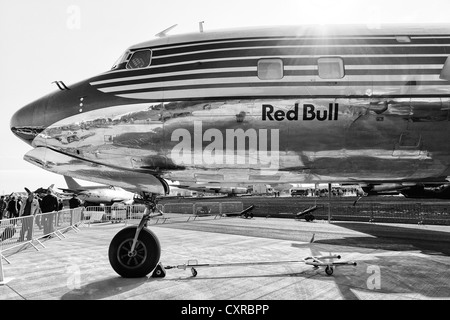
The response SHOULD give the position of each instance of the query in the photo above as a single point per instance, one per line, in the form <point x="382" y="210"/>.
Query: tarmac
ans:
<point x="394" y="261"/>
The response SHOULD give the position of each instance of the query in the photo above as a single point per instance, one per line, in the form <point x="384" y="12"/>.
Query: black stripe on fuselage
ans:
<point x="300" y="51"/>
<point x="286" y="84"/>
<point x="162" y="51"/>
<point x="301" y="40"/>
<point x="240" y="63"/>
<point x="194" y="76"/>
<point x="191" y="76"/>
<point x="309" y="97"/>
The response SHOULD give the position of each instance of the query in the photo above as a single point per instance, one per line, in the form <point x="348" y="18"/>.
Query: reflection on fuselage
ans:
<point x="295" y="105"/>
<point x="358" y="141"/>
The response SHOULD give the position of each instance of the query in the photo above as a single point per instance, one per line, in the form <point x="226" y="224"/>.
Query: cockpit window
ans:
<point x="140" y="59"/>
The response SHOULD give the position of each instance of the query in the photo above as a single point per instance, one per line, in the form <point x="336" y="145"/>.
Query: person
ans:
<point x="74" y="202"/>
<point x="49" y="203"/>
<point x="30" y="207"/>
<point x="13" y="208"/>
<point x="60" y="208"/>
<point x="3" y="205"/>
<point x="60" y="204"/>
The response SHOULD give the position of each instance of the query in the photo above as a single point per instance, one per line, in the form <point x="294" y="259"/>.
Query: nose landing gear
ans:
<point x="135" y="251"/>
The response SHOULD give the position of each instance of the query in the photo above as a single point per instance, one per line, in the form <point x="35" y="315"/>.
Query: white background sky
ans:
<point x="47" y="40"/>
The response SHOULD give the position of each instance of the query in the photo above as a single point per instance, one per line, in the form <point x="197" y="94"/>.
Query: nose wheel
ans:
<point x="137" y="262"/>
<point x="135" y="251"/>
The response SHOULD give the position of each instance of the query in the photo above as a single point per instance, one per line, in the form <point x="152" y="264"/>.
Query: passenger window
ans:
<point x="140" y="59"/>
<point x="270" y="69"/>
<point x="331" y="68"/>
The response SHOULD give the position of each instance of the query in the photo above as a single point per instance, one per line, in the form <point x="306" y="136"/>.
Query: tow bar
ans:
<point x="315" y="261"/>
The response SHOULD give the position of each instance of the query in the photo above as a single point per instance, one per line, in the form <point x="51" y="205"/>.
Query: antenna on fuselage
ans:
<point x="200" y="25"/>
<point x="61" y="85"/>
<point x="164" y="32"/>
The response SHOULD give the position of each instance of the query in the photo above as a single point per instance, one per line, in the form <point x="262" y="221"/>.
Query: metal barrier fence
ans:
<point x="29" y="229"/>
<point x="135" y="212"/>
<point x="172" y="211"/>
<point x="414" y="213"/>
<point x="186" y="208"/>
<point x="231" y="207"/>
<point x="97" y="214"/>
<point x="115" y="213"/>
<point x="23" y="230"/>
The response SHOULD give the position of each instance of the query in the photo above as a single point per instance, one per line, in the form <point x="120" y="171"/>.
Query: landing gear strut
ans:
<point x="135" y="251"/>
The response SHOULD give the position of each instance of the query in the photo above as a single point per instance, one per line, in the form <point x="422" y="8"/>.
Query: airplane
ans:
<point x="282" y="104"/>
<point x="95" y="195"/>
<point x="411" y="190"/>
<point x="43" y="191"/>
<point x="230" y="190"/>
<point x="428" y="191"/>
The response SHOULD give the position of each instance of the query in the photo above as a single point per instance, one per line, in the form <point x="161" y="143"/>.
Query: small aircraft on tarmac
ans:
<point x="229" y="190"/>
<point x="95" y="195"/>
<point x="310" y="104"/>
<point x="411" y="190"/>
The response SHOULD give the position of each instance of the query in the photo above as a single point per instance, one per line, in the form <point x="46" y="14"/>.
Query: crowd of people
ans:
<point x="14" y="206"/>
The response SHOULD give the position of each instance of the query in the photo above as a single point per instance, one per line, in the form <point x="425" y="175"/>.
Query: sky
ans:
<point x="69" y="40"/>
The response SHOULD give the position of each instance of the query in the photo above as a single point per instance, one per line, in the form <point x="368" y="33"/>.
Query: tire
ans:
<point x="329" y="270"/>
<point x="148" y="252"/>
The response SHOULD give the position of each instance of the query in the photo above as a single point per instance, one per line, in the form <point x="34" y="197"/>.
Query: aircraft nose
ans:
<point x="29" y="121"/>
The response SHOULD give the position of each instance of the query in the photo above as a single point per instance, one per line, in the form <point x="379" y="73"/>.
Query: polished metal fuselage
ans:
<point x="133" y="128"/>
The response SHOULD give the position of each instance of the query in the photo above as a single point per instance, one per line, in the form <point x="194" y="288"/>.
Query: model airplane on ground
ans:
<point x="307" y="104"/>
<point x="95" y="195"/>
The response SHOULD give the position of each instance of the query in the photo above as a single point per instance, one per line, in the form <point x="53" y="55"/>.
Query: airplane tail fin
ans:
<point x="71" y="183"/>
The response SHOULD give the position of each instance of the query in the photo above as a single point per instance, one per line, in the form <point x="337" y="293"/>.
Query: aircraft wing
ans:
<point x="202" y="187"/>
<point x="71" y="190"/>
<point x="194" y="187"/>
<point x="62" y="164"/>
<point x="117" y="200"/>
<point x="213" y="187"/>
